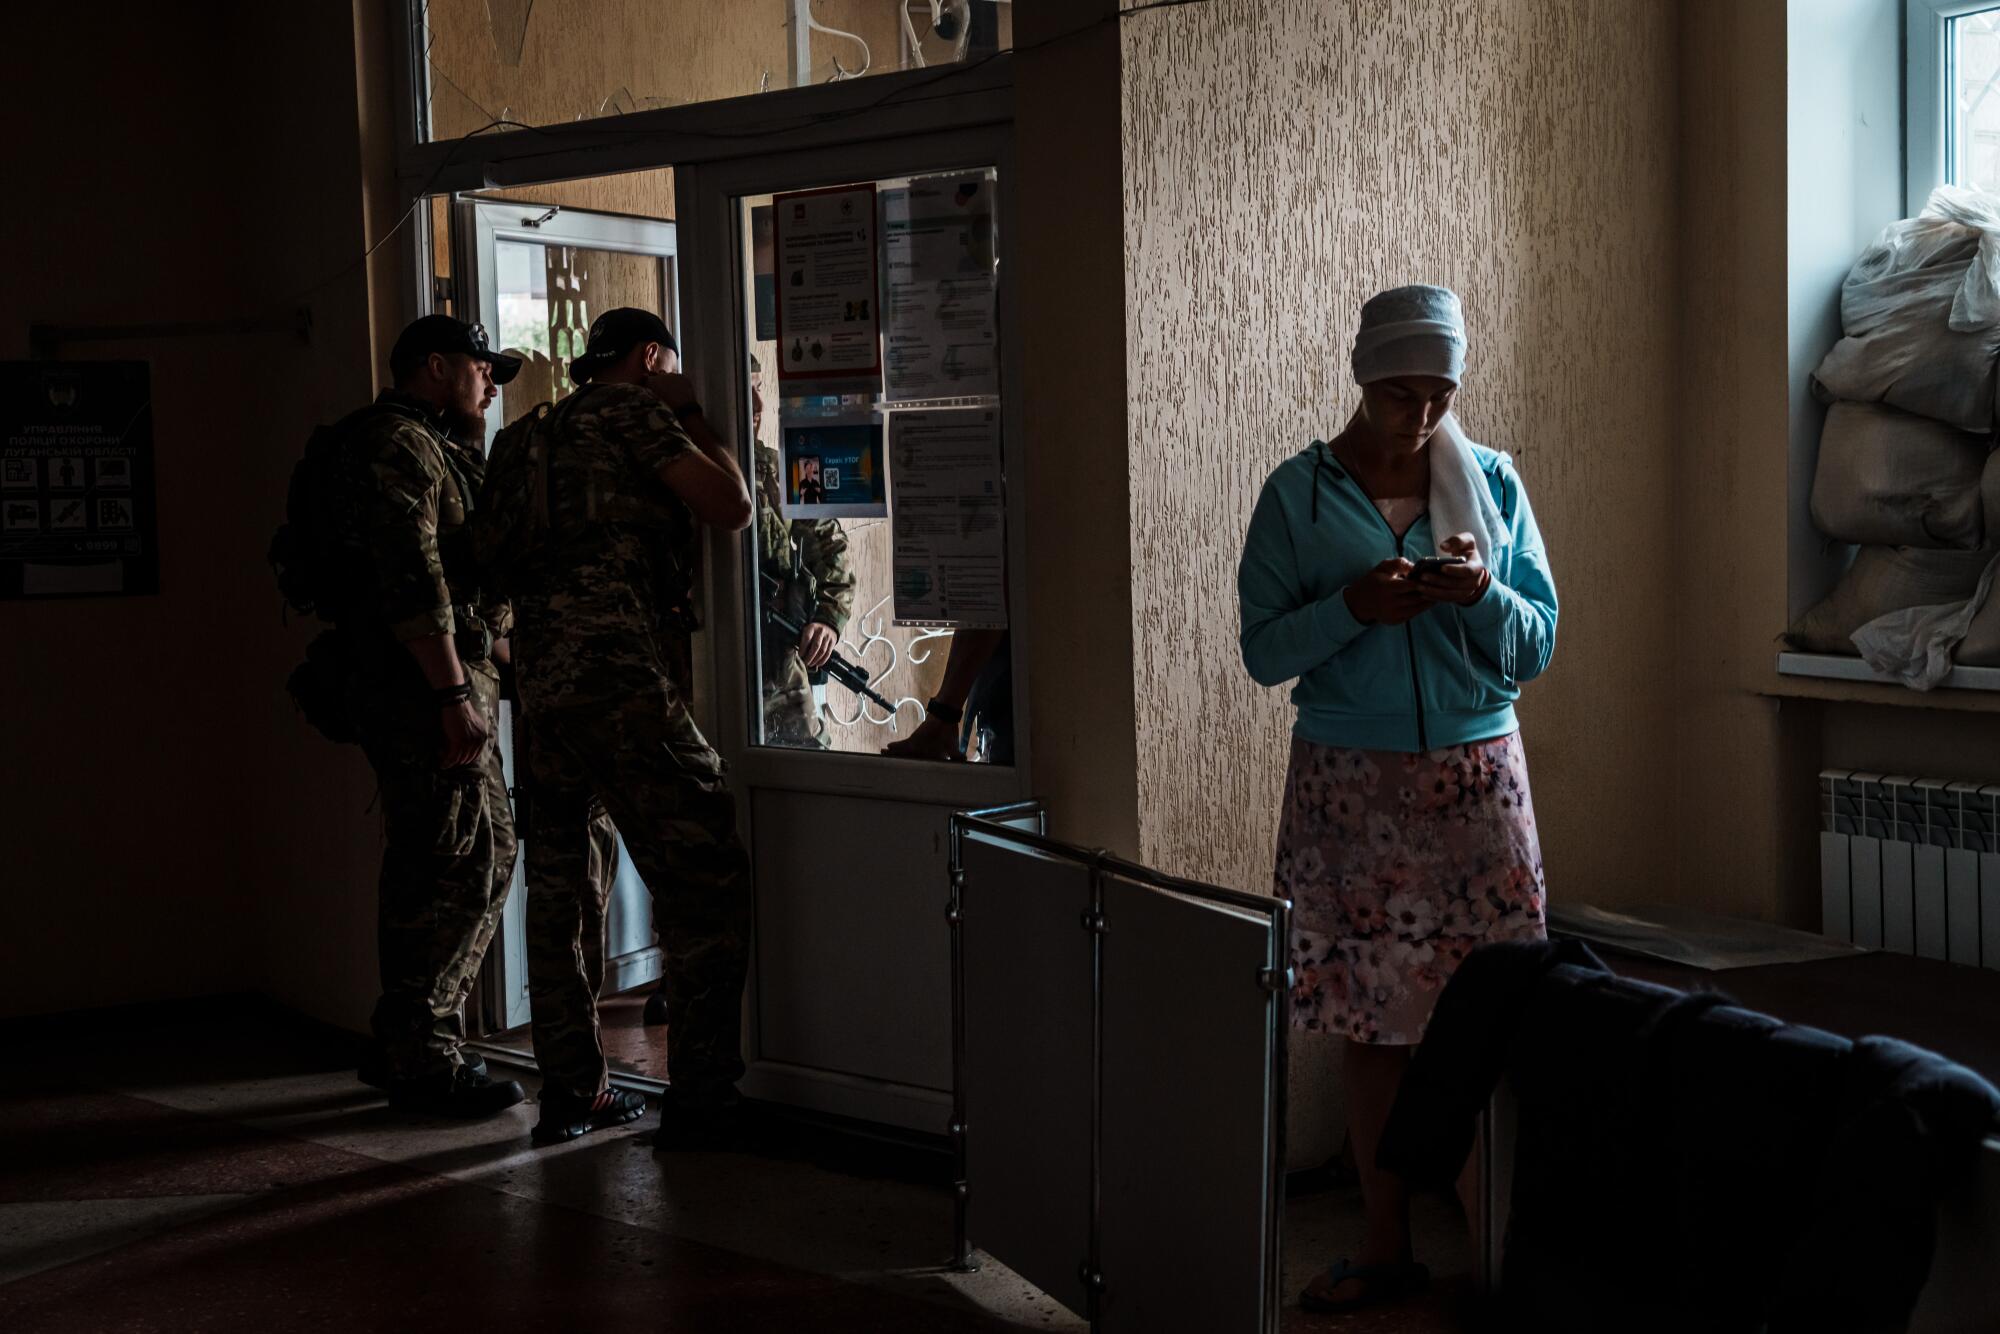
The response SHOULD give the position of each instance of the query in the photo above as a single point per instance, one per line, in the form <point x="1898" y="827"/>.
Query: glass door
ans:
<point x="536" y="275"/>
<point x="846" y="322"/>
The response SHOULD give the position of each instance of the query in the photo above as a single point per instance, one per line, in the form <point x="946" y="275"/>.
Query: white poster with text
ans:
<point x="948" y="511"/>
<point x="940" y="334"/>
<point x="828" y="324"/>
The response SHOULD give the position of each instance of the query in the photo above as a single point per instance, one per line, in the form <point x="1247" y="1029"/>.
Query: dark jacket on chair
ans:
<point x="1682" y="1164"/>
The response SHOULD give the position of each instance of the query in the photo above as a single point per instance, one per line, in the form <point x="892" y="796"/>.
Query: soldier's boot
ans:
<point x="656" y="1007"/>
<point x="712" y="1123"/>
<point x="566" y="1116"/>
<point x="374" y="1070"/>
<point x="462" y="1095"/>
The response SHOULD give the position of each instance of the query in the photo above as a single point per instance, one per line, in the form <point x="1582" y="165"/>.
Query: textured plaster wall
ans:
<point x="1278" y="171"/>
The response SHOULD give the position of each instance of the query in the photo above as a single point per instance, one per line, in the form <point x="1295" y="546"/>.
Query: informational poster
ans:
<point x="949" y="518"/>
<point x="833" y="469"/>
<point x="76" y="479"/>
<point x="941" y="339"/>
<point x="829" y="326"/>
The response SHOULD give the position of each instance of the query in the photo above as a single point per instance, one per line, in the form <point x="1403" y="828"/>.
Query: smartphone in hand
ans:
<point x="1435" y="565"/>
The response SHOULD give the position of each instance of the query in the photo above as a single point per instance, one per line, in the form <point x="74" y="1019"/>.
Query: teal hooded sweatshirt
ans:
<point x="1447" y="677"/>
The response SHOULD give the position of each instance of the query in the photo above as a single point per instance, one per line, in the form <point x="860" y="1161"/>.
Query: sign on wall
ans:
<point x="77" y="514"/>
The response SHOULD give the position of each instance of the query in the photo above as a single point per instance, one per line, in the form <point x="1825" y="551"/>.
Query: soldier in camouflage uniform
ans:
<point x="622" y="471"/>
<point x="808" y="558"/>
<point x="421" y="691"/>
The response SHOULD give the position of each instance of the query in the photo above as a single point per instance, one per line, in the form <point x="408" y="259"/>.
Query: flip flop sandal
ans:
<point x="1379" y="1283"/>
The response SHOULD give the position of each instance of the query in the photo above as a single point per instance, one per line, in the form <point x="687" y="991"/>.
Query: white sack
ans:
<point x="1884" y="580"/>
<point x="1921" y="313"/>
<point x="1915" y="645"/>
<point x="1888" y="478"/>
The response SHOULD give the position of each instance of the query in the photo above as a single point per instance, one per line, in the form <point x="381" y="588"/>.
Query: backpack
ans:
<point x="299" y="556"/>
<point x="512" y="524"/>
<point x="511" y="521"/>
<point x="298" y="550"/>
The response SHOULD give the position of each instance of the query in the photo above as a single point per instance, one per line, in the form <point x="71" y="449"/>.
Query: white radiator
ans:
<point x="1911" y="865"/>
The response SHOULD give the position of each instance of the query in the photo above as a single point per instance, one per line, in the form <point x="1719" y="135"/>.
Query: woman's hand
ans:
<point x="1461" y="585"/>
<point x="1385" y="595"/>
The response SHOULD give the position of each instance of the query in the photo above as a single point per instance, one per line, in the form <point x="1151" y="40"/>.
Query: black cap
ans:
<point x="614" y="334"/>
<point x="442" y="333"/>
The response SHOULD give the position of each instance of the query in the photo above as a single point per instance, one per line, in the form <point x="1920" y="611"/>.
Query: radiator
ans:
<point x="1911" y="865"/>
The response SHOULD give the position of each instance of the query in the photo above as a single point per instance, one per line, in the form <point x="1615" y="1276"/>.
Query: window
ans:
<point x="496" y="63"/>
<point x="1953" y="114"/>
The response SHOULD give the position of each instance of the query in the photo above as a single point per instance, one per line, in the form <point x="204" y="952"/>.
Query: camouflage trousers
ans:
<point x="790" y="717"/>
<point x="446" y="867"/>
<point x="661" y="784"/>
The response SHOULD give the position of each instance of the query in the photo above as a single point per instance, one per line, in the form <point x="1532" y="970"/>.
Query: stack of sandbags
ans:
<point x="1909" y="438"/>
<point x="1981" y="646"/>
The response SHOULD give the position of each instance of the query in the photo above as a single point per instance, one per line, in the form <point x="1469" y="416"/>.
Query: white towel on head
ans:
<point x="1461" y="501"/>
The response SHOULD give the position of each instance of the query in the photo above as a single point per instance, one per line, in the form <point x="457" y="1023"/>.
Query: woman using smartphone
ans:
<point x="1396" y="576"/>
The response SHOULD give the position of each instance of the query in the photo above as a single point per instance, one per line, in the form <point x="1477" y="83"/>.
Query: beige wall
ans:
<point x="1068" y="219"/>
<point x="1277" y="174"/>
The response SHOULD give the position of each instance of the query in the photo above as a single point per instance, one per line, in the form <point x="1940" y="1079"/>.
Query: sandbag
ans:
<point x="1882" y="580"/>
<point x="1920" y="311"/>
<point x="1981" y="645"/>
<point x="1889" y="478"/>
<point x="1989" y="493"/>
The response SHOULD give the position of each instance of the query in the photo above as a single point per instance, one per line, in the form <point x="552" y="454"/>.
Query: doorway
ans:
<point x="535" y="271"/>
<point x="848" y="1007"/>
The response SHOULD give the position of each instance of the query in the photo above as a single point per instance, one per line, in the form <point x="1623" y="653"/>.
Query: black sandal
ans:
<point x="1379" y="1283"/>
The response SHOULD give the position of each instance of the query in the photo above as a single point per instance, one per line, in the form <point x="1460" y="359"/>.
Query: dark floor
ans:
<point x="217" y="1168"/>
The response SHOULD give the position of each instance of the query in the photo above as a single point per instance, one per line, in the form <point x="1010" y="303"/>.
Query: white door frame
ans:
<point x="715" y="336"/>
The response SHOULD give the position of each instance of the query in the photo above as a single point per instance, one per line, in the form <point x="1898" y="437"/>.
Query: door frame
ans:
<point x="717" y="330"/>
<point x="479" y="224"/>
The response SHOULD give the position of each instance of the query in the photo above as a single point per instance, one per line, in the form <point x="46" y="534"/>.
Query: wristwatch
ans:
<point x="937" y="708"/>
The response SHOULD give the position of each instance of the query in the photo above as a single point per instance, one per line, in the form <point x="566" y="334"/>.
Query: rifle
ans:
<point x="840" y="669"/>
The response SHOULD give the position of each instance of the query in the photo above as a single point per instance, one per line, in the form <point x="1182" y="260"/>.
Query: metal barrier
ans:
<point x="1173" y="1222"/>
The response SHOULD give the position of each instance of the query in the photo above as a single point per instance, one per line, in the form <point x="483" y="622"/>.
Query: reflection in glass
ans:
<point x="826" y="585"/>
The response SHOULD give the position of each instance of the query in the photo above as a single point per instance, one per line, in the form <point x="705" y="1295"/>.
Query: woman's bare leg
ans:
<point x="1373" y="1074"/>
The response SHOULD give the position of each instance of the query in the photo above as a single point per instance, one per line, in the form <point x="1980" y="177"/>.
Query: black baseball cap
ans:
<point x="614" y="334"/>
<point x="442" y="333"/>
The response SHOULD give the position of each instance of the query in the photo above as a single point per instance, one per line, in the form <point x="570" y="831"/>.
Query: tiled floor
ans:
<point x="218" y="1168"/>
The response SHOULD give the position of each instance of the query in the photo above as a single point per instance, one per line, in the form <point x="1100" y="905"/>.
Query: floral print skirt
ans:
<point x="1398" y="866"/>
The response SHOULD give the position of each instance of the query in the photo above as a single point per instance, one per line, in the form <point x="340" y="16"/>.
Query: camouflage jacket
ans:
<point x="594" y="601"/>
<point x="400" y="494"/>
<point x="820" y="543"/>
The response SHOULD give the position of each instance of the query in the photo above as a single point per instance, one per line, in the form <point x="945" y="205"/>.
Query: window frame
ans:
<point x="1928" y="150"/>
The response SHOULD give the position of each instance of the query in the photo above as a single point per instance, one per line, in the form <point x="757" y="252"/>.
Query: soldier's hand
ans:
<point x="465" y="734"/>
<point x="816" y="645"/>
<point x="676" y="391"/>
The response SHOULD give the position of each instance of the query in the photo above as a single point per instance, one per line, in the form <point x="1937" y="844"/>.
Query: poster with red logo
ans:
<point x="828" y="325"/>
